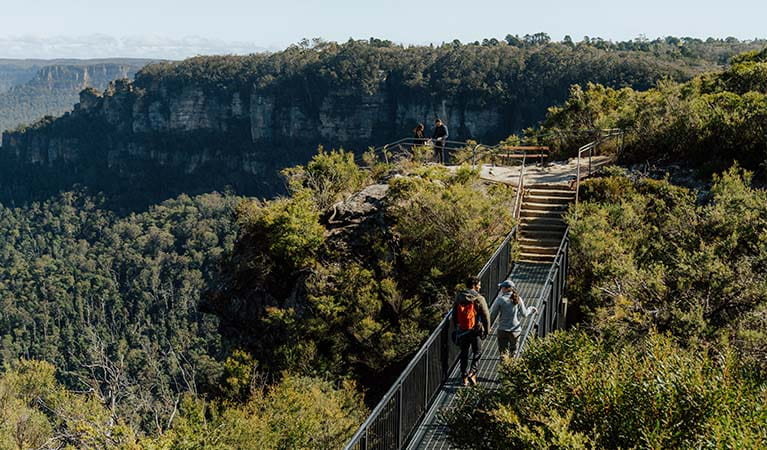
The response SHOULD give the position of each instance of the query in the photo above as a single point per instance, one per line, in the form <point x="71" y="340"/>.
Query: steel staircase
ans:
<point x="541" y="221"/>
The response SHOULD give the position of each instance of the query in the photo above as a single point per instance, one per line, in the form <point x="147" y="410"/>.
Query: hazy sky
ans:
<point x="180" y="28"/>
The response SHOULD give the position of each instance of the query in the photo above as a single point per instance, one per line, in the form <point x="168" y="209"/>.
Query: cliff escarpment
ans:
<point x="52" y="89"/>
<point x="211" y="122"/>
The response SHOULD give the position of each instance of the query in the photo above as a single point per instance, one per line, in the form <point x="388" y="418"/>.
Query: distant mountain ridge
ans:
<point x="31" y="89"/>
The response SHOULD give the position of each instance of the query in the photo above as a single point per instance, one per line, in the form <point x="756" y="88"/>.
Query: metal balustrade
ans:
<point x="550" y="313"/>
<point x="394" y="420"/>
<point x="592" y="148"/>
<point x="407" y="146"/>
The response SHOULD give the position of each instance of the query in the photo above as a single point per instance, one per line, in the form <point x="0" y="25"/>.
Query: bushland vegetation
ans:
<point x="672" y="296"/>
<point x="709" y="122"/>
<point x="105" y="342"/>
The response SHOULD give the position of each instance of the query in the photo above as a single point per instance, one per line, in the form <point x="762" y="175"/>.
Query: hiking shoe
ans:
<point x="473" y="378"/>
<point x="465" y="381"/>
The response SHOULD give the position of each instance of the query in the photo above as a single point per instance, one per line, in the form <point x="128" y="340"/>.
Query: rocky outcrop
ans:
<point x="350" y="225"/>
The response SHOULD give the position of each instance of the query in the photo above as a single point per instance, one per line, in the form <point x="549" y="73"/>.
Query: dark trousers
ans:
<point x="471" y="340"/>
<point x="438" y="151"/>
<point x="507" y="342"/>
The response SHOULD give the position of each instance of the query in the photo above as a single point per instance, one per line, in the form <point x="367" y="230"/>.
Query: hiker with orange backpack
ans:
<point x="471" y="321"/>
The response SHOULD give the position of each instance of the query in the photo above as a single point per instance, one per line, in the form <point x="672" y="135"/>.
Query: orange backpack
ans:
<point x="467" y="315"/>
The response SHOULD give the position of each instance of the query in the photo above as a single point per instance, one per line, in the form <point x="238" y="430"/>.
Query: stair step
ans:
<point x="546" y="219"/>
<point x="536" y="227"/>
<point x="553" y="234"/>
<point x="530" y="205"/>
<point x="533" y="257"/>
<point x="552" y="240"/>
<point x="551" y="193"/>
<point x="547" y="199"/>
<point x="534" y="213"/>
<point x="529" y="249"/>
<point x="553" y="186"/>
<point x="553" y="228"/>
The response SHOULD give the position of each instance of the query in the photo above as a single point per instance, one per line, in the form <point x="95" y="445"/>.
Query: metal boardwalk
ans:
<point x="431" y="434"/>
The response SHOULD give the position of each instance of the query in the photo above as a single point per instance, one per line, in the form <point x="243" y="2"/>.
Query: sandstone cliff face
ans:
<point x="373" y="119"/>
<point x="236" y="132"/>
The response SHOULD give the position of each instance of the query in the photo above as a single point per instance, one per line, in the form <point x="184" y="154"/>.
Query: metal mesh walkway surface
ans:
<point x="530" y="279"/>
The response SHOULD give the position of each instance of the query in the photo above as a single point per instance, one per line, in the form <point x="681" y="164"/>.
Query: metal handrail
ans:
<point x="590" y="147"/>
<point x="419" y="355"/>
<point x="407" y="143"/>
<point x="544" y="291"/>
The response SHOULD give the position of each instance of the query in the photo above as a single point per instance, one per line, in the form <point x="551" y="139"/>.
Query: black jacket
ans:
<point x="440" y="132"/>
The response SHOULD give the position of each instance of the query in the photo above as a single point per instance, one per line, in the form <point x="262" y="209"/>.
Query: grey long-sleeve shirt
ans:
<point x="510" y="314"/>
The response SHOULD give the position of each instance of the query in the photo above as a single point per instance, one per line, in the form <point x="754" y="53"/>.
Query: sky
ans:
<point x="176" y="29"/>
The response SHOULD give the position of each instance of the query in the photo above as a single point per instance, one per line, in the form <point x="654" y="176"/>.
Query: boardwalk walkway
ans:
<point x="431" y="434"/>
<point x="408" y="416"/>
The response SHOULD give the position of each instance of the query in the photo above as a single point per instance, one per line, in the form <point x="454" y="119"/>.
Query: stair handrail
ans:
<point x="604" y="135"/>
<point x="517" y="211"/>
<point x="540" y="301"/>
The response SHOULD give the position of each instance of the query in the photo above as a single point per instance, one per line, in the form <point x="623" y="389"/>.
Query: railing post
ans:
<point x="555" y="302"/>
<point x="620" y="149"/>
<point x="550" y="309"/>
<point x="399" y="418"/>
<point x="426" y="380"/>
<point x="445" y="352"/>
<point x="577" y="179"/>
<point x="474" y="156"/>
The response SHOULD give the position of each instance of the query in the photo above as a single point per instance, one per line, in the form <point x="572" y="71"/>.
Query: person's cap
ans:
<point x="506" y="284"/>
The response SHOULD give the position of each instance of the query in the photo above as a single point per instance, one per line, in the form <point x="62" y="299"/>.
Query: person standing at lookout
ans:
<point x="471" y="321"/>
<point x="439" y="137"/>
<point x="418" y="134"/>
<point x="511" y="309"/>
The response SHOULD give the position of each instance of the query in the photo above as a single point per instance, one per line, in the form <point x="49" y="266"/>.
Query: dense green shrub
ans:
<point x="328" y="176"/>
<point x="446" y="230"/>
<point x="572" y="390"/>
<point x="36" y="411"/>
<point x="644" y="254"/>
<point x="287" y="229"/>
<point x="671" y="292"/>
<point x="297" y="413"/>
<point x="355" y="296"/>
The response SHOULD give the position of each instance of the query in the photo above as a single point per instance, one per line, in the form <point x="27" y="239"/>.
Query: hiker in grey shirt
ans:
<point x="511" y="310"/>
